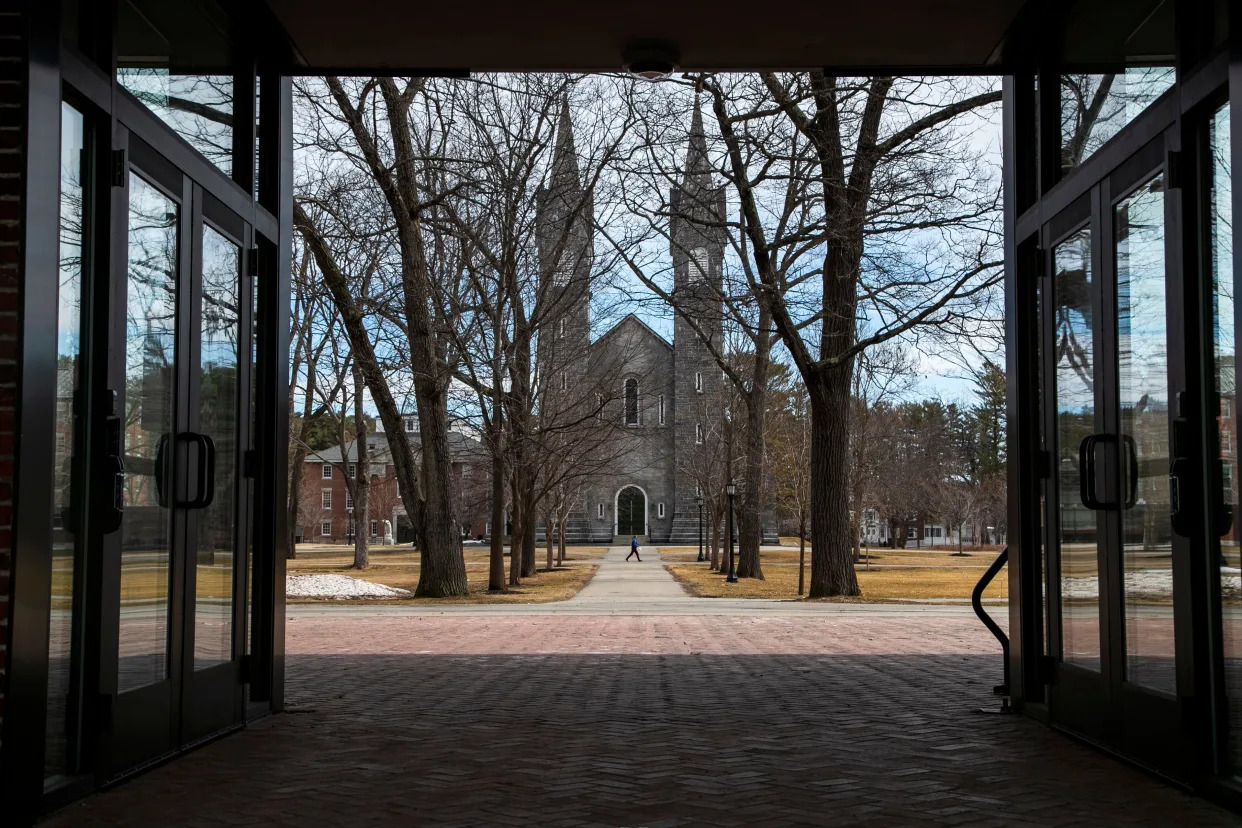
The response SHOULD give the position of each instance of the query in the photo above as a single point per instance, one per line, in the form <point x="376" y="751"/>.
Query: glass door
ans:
<point x="180" y="377"/>
<point x="1115" y="371"/>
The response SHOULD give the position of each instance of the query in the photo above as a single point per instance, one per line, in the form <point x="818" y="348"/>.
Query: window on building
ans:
<point x="560" y="329"/>
<point x="560" y="276"/>
<point x="912" y="533"/>
<point x="696" y="267"/>
<point x="325" y="498"/>
<point x="564" y="381"/>
<point x="410" y="424"/>
<point x="698" y="433"/>
<point x="661" y="409"/>
<point x="374" y="528"/>
<point x="353" y="470"/>
<point x="327" y="471"/>
<point x="631" y="401"/>
<point x="325" y="528"/>
<point x="698" y="490"/>
<point x="601" y="510"/>
<point x="698" y="381"/>
<point x="660" y="510"/>
<point x="349" y="501"/>
<point x="599" y="406"/>
<point x="1225" y="408"/>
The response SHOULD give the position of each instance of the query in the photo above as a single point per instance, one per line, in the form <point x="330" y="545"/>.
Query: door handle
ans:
<point x="161" y="469"/>
<point x="206" y="471"/>
<point x="1130" y="448"/>
<point x="1086" y="473"/>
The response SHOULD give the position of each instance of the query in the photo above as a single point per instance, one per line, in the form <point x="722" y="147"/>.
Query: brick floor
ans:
<point x="642" y="721"/>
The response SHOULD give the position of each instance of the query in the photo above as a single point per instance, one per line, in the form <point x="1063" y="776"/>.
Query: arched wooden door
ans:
<point x="631" y="511"/>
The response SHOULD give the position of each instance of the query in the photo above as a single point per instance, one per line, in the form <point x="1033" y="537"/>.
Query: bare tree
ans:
<point x="369" y="125"/>
<point x="906" y="212"/>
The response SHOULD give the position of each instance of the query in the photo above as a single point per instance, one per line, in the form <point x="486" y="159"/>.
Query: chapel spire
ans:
<point x="565" y="179"/>
<point x="698" y="172"/>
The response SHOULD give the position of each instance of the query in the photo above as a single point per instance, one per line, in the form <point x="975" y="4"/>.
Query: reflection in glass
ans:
<point x="1094" y="108"/>
<point x="1225" y="347"/>
<point x="1075" y="420"/>
<point x="150" y="351"/>
<point x="1143" y="385"/>
<point x="217" y="412"/>
<point x="65" y="516"/>
<point x="199" y="108"/>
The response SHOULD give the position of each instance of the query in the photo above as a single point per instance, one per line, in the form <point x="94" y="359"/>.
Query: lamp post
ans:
<point x="731" y="489"/>
<point x="699" y="500"/>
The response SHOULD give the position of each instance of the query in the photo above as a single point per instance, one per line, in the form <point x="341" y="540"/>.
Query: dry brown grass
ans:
<point x="874" y="558"/>
<point x="560" y="584"/>
<point x="879" y="585"/>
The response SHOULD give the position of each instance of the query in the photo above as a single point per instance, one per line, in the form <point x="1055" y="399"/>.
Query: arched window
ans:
<point x="696" y="267"/>
<point x="698" y="433"/>
<point x="631" y="402"/>
<point x="698" y="381"/>
<point x="560" y="329"/>
<point x="661" y="510"/>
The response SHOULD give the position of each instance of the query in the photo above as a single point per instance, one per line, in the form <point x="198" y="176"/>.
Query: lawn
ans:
<point x="399" y="567"/>
<point x="878" y="585"/>
<point x="976" y="559"/>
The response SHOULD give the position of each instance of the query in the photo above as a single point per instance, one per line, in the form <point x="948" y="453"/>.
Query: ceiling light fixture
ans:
<point x="651" y="60"/>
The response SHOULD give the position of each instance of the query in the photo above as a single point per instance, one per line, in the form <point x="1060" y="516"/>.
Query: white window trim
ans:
<point x="560" y="328"/>
<point x="698" y="382"/>
<point x="353" y="469"/>
<point x="349" y="501"/>
<point x="326" y="474"/>
<point x="325" y="498"/>
<point x="698" y="434"/>
<point x="374" y="528"/>
<point x="410" y="424"/>
<point x="325" y="528"/>
<point x="601" y="511"/>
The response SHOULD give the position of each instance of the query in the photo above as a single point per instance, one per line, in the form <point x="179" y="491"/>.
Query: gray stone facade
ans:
<point x="674" y="382"/>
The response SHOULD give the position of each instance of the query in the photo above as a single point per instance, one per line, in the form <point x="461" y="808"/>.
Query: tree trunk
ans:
<point x="560" y="531"/>
<point x="802" y="554"/>
<point x="496" y="556"/>
<point x="516" y="533"/>
<point x="529" y="567"/>
<point x="749" y="518"/>
<point x="832" y="569"/>
<point x="549" y="538"/>
<point x="362" y="476"/>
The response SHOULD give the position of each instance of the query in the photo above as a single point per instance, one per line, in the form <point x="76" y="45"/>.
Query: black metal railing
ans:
<point x="976" y="601"/>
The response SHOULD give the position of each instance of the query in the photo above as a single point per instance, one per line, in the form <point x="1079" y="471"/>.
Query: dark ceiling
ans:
<point x="360" y="35"/>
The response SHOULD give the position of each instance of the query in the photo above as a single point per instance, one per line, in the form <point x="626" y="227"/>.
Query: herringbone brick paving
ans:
<point x="642" y="721"/>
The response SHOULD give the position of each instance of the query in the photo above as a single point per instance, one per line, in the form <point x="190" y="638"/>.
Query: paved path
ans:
<point x="660" y="721"/>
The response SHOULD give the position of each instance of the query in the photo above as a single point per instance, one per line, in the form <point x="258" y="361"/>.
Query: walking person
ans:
<point x="634" y="550"/>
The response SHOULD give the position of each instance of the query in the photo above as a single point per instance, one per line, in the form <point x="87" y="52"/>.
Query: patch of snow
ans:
<point x="338" y="586"/>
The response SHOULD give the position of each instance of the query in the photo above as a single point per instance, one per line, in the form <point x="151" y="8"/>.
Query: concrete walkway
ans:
<point x="619" y="581"/>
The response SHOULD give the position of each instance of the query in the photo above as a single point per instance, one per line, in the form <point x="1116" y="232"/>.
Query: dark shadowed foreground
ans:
<point x="654" y="721"/>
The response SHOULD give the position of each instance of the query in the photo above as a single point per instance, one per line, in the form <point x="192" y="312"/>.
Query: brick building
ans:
<point x="326" y="512"/>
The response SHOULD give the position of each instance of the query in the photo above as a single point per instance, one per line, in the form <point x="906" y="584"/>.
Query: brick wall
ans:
<point x="12" y="134"/>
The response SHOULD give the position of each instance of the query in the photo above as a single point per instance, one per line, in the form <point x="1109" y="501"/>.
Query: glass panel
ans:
<point x="1225" y="347"/>
<point x="1075" y="420"/>
<point x="65" y="516"/>
<point x="219" y="398"/>
<point x="150" y="373"/>
<point x="199" y="108"/>
<point x="176" y="58"/>
<point x="1094" y="108"/>
<point x="1143" y="385"/>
